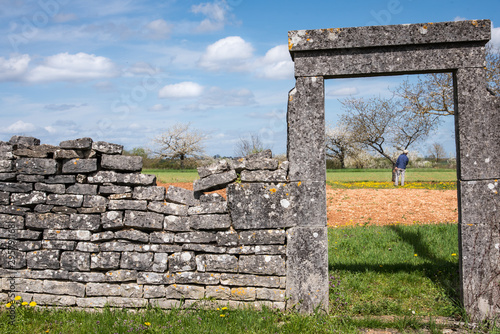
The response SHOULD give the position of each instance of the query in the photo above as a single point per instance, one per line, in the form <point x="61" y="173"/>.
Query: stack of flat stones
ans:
<point x="81" y="226"/>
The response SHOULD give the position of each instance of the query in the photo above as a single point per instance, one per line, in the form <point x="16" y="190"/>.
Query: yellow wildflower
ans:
<point x="222" y="315"/>
<point x="24" y="303"/>
<point x="8" y="305"/>
<point x="17" y="298"/>
<point x="224" y="308"/>
<point x="147" y="323"/>
<point x="33" y="304"/>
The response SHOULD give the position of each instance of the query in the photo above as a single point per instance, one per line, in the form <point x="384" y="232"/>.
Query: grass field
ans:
<point x="403" y="271"/>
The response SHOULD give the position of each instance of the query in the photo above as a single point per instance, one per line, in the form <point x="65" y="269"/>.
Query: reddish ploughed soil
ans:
<point x="382" y="206"/>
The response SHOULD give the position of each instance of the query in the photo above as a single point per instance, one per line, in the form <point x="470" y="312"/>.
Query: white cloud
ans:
<point x="159" y="107"/>
<point x="141" y="68"/>
<point x="68" y="67"/>
<point x="230" y="53"/>
<point x="20" y="127"/>
<point x="158" y="29"/>
<point x="495" y="37"/>
<point x="216" y="13"/>
<point x="14" y="67"/>
<point x="186" y="89"/>
<point x="459" y="18"/>
<point x="276" y="64"/>
<point x="344" y="91"/>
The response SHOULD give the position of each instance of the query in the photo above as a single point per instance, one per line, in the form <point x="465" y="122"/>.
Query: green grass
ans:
<point x="173" y="175"/>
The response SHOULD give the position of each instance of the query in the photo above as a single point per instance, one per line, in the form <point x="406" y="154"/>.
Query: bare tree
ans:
<point x="493" y="69"/>
<point x="436" y="151"/>
<point x="249" y="146"/>
<point x="180" y="142"/>
<point x="339" y="143"/>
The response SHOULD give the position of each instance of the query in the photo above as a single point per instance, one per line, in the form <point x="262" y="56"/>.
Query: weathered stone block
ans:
<point x="262" y="265"/>
<point x="87" y="247"/>
<point x="264" y="176"/>
<point x="72" y="201"/>
<point x="43" y="259"/>
<point x="177" y="224"/>
<point x="162" y="237"/>
<point x="112" y="220"/>
<point x="211" y="198"/>
<point x="91" y="302"/>
<point x="4" y="198"/>
<point x="67" y="154"/>
<point x="54" y="300"/>
<point x="59" y="244"/>
<point x="197" y="278"/>
<point x="480" y="202"/>
<point x="178" y="291"/>
<point x="120" y="196"/>
<point x="218" y="263"/>
<point x="102" y="236"/>
<point x="143" y="220"/>
<point x="36" y="166"/>
<point x="75" y="261"/>
<point x="215" y="168"/>
<point x="211" y="222"/>
<point x="181" y="196"/>
<point x="107" y="148"/>
<point x="46" y="274"/>
<point x="64" y="288"/>
<point x="11" y="222"/>
<point x="16" y="187"/>
<point x="8" y="177"/>
<point x="47" y="221"/>
<point x="183" y="261"/>
<point x="118" y="246"/>
<point x="51" y="188"/>
<point x="121" y="276"/>
<point x="258" y="250"/>
<point x="227" y="238"/>
<point x="19" y="234"/>
<point x="168" y="208"/>
<point x="80" y="143"/>
<point x="151" y="193"/>
<point x="13" y="210"/>
<point x="136" y="179"/>
<point x="30" y="178"/>
<point x="95" y="201"/>
<point x="60" y="179"/>
<point x="105" y="261"/>
<point x="89" y="211"/>
<point x="75" y="166"/>
<point x="63" y="210"/>
<point x="131" y="290"/>
<point x="136" y="261"/>
<point x="140" y="205"/>
<point x="158" y="248"/>
<point x="82" y="189"/>
<point x="160" y="262"/>
<point x="307" y="268"/>
<point x="103" y="289"/>
<point x="132" y="235"/>
<point x="107" y="190"/>
<point x="121" y="162"/>
<point x="204" y="248"/>
<point x="195" y="237"/>
<point x="154" y="291"/>
<point x="84" y="222"/>
<point x="103" y="177"/>
<point x="215" y="181"/>
<point x="155" y="278"/>
<point x="7" y="166"/>
<point x="261" y="164"/>
<point x="28" y="245"/>
<point x="206" y="208"/>
<point x="67" y="235"/>
<point x="218" y="292"/>
<point x="127" y="302"/>
<point x="262" y="237"/>
<point x="13" y="259"/>
<point x="275" y="295"/>
<point x="245" y="294"/>
<point x="250" y="280"/>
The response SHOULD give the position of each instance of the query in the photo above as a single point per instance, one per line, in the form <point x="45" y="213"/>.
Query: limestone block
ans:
<point x="160" y="262"/>
<point x="13" y="210"/>
<point x="136" y="261"/>
<point x="60" y="179"/>
<point x="38" y="166"/>
<point x="58" y="244"/>
<point x="20" y="234"/>
<point x="307" y="269"/>
<point x="261" y="164"/>
<point x="258" y="250"/>
<point x="121" y="162"/>
<point x="154" y="291"/>
<point x="211" y="222"/>
<point x="102" y="236"/>
<point x="13" y="259"/>
<point x="62" y="210"/>
<point x="195" y="237"/>
<point x="78" y="235"/>
<point x="67" y="154"/>
<point x="24" y="140"/>
<point x="118" y="246"/>
<point x="50" y="188"/>
<point x="89" y="247"/>
<point x="168" y="208"/>
<point x="217" y="262"/>
<point x="121" y="276"/>
<point x="91" y="302"/>
<point x="245" y="294"/>
<point x="7" y="166"/>
<point x="46" y="274"/>
<point x="227" y="238"/>
<point x="112" y="220"/>
<point x="167" y="304"/>
<point x="262" y="237"/>
<point x="306" y="114"/>
<point x="47" y="221"/>
<point x="162" y="237"/>
<point x="197" y="278"/>
<point x="276" y="295"/>
<point x="181" y="196"/>
<point x="250" y="280"/>
<point x="84" y="222"/>
<point x="12" y="222"/>
<point x="143" y="220"/>
<point x="75" y="166"/>
<point x="8" y="176"/>
<point x="43" y="259"/>
<point x="82" y="189"/>
<point x="113" y="189"/>
<point x="88" y="211"/>
<point x="206" y="208"/>
<point x="211" y="198"/>
<point x="107" y="148"/>
<point x="86" y="277"/>
<point x="132" y="235"/>
<point x="177" y="291"/>
<point x="155" y="278"/>
<point x="120" y="196"/>
<point x="80" y="143"/>
<point x="259" y="205"/>
<point x="264" y="176"/>
<point x="151" y="193"/>
<point x="158" y="248"/>
<point x="75" y="261"/>
<point x="480" y="202"/>
<point x="16" y="187"/>
<point x="28" y="245"/>
<point x="218" y="292"/>
<point x="54" y="300"/>
<point x="30" y="178"/>
<point x="103" y="177"/>
<point x="215" y="181"/>
<point x="182" y="261"/>
<point x="262" y="265"/>
<point x="127" y="302"/>
<point x="136" y="179"/>
<point x="204" y="248"/>
<point x="105" y="260"/>
<point x="4" y="198"/>
<point x="215" y="168"/>
<point x="72" y="201"/>
<point x="6" y="155"/>
<point x="139" y="205"/>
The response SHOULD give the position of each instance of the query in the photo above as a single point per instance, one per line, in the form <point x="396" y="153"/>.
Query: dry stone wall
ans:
<point x="81" y="226"/>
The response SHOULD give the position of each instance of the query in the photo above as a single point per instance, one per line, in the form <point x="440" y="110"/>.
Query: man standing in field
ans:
<point x="401" y="167"/>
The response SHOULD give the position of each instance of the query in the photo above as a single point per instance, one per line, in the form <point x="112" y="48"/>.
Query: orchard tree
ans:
<point x="249" y="146"/>
<point x="436" y="151"/>
<point x="180" y="142"/>
<point x="340" y="143"/>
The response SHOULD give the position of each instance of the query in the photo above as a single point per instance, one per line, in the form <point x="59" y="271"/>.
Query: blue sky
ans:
<point x="123" y="71"/>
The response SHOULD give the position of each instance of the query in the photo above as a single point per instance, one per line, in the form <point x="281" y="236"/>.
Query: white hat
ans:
<point x="405" y="151"/>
